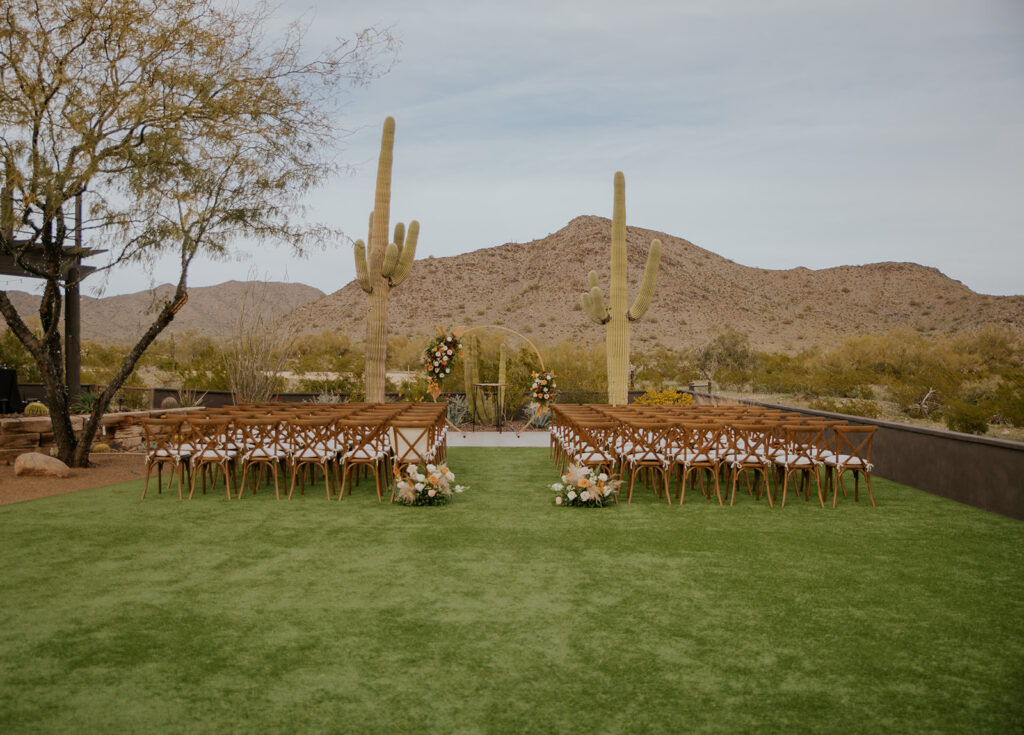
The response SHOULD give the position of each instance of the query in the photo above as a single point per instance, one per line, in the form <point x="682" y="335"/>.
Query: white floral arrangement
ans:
<point x="543" y="389"/>
<point x="585" y="486"/>
<point x="433" y="486"/>
<point x="439" y="356"/>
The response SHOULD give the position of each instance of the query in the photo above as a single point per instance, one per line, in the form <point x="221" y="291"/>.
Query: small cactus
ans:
<point x="36" y="409"/>
<point x="469" y="368"/>
<point x="502" y="376"/>
<point x="100" y="448"/>
<point x="615" y="315"/>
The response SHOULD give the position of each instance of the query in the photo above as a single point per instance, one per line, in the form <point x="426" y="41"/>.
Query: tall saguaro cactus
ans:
<point x="383" y="268"/>
<point x="615" y="315"/>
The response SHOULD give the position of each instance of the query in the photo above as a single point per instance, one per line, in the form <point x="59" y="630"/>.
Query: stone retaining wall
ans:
<point x="35" y="433"/>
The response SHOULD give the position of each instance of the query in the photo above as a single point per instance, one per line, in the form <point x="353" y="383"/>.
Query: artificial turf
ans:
<point x="502" y="613"/>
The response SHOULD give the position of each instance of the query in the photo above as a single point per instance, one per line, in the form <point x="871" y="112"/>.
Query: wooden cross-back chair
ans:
<point x="852" y="454"/>
<point x="413" y="442"/>
<point x="312" y="443"/>
<point x="590" y="444"/>
<point x="644" y="444"/>
<point x="800" y="456"/>
<point x="699" y="449"/>
<point x="163" y="442"/>
<point x="260" y="447"/>
<point x="749" y="450"/>
<point x="212" y="446"/>
<point x="366" y="442"/>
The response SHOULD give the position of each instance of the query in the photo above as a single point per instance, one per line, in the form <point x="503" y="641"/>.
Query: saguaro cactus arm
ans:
<point x="391" y="254"/>
<point x="593" y="305"/>
<point x="643" y="297"/>
<point x="407" y="255"/>
<point x="362" y="275"/>
<point x="593" y="301"/>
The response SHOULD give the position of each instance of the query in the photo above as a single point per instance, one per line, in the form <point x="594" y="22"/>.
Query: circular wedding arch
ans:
<point x="463" y="330"/>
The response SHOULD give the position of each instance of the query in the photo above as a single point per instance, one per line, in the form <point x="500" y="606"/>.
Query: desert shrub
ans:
<point x="350" y="387"/>
<point x="415" y="390"/>
<point x="659" y="367"/>
<point x="966" y="417"/>
<point x="833" y="375"/>
<point x="1008" y="397"/>
<point x="667" y="397"/>
<point x="327" y="398"/>
<point x="581" y="372"/>
<point x="200" y="366"/>
<point x="729" y="351"/>
<point x="852" y="406"/>
<point x="14" y="355"/>
<point x="84" y="402"/>
<point x="458" y="409"/>
<point x="541" y="420"/>
<point x="779" y="373"/>
<point x="991" y="349"/>
<point x="735" y="378"/>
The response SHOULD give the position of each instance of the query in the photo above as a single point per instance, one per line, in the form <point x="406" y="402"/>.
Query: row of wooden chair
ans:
<point x="703" y="442"/>
<point x="257" y="439"/>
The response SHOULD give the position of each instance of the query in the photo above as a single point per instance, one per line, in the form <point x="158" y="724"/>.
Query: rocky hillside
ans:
<point x="535" y="288"/>
<point x="211" y="310"/>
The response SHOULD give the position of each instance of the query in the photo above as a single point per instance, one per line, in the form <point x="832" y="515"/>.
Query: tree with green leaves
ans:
<point x="185" y="128"/>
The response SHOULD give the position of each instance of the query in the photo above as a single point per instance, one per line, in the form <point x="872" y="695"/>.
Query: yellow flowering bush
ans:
<point x="667" y="397"/>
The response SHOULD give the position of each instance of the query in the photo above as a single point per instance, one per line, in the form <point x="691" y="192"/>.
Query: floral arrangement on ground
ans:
<point x="430" y="487"/>
<point x="585" y="486"/>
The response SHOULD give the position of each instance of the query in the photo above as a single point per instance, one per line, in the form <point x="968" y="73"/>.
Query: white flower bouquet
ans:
<point x="584" y="486"/>
<point x="433" y="486"/>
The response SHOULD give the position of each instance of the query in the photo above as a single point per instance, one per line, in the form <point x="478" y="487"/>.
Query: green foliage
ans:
<point x="1008" y="399"/>
<point x="348" y="388"/>
<point x="84" y="402"/>
<point x="415" y="390"/>
<point x="458" y="410"/>
<point x="14" y="355"/>
<point x="729" y="351"/>
<point x="852" y="406"/>
<point x="780" y="373"/>
<point x="660" y="367"/>
<point x="582" y="372"/>
<point x="965" y="417"/>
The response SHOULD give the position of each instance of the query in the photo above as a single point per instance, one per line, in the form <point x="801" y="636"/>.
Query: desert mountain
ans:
<point x="211" y="310"/>
<point x="535" y="288"/>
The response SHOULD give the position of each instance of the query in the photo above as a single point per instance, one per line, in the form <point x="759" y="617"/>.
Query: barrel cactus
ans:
<point x="384" y="267"/>
<point x="615" y="315"/>
<point x="36" y="409"/>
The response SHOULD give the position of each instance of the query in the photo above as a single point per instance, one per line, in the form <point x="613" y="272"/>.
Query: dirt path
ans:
<point x="109" y="469"/>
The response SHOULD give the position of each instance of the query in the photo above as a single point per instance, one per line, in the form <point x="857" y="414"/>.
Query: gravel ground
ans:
<point x="107" y="469"/>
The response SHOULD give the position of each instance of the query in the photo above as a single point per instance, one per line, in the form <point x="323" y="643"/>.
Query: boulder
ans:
<point x="34" y="463"/>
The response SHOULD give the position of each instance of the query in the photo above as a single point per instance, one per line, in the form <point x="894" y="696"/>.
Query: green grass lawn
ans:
<point x="502" y="613"/>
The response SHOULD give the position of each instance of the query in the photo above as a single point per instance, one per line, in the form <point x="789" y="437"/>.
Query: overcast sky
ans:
<point x="777" y="134"/>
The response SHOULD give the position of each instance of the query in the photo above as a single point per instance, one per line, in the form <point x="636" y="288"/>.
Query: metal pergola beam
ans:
<point x="72" y="272"/>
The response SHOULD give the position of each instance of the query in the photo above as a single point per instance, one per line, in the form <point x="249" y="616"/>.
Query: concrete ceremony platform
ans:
<point x="496" y="439"/>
